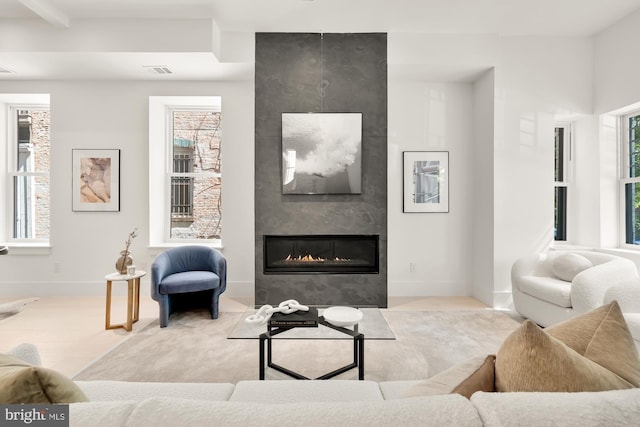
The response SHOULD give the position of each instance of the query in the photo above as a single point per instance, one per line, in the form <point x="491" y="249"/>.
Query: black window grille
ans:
<point x="182" y="186"/>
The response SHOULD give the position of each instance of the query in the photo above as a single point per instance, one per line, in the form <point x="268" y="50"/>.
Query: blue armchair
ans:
<point x="196" y="270"/>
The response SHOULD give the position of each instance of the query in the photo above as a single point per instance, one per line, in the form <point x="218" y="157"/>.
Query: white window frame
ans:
<point x="10" y="104"/>
<point x="624" y="165"/>
<point x="568" y="173"/>
<point x="161" y="110"/>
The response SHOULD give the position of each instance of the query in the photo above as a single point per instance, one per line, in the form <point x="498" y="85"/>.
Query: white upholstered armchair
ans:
<point x="552" y="287"/>
<point x="628" y="296"/>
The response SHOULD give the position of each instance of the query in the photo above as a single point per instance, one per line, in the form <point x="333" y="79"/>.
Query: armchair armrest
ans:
<point x="627" y="294"/>
<point x="159" y="270"/>
<point x="219" y="263"/>
<point x="589" y="287"/>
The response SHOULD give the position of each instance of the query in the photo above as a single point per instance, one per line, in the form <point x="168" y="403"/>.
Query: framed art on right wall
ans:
<point x="425" y="181"/>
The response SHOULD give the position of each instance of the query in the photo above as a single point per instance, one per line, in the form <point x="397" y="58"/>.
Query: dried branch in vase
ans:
<point x="125" y="259"/>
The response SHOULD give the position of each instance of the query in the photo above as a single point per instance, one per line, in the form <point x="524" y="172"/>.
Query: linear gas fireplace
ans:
<point x="329" y="254"/>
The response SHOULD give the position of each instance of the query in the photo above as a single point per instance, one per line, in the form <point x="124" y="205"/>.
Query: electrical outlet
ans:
<point x="412" y="267"/>
<point x="56" y="267"/>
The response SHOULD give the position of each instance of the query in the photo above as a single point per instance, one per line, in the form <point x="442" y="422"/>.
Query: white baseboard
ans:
<point x="48" y="289"/>
<point x="431" y="289"/>
<point x="503" y="300"/>
<point x="52" y="289"/>
<point x="240" y="289"/>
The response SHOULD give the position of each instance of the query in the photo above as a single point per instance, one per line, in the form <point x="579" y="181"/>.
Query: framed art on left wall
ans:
<point x="96" y="180"/>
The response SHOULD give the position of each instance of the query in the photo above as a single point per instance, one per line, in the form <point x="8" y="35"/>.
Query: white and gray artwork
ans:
<point x="426" y="181"/>
<point x="322" y="153"/>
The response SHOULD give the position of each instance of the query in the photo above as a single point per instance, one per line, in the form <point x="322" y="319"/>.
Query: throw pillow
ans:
<point x="567" y="266"/>
<point x="483" y="379"/>
<point x="532" y="360"/>
<point x="466" y="378"/>
<point x="602" y="335"/>
<point x="23" y="383"/>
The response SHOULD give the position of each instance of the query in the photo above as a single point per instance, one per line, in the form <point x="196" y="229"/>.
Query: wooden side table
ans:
<point x="133" y="298"/>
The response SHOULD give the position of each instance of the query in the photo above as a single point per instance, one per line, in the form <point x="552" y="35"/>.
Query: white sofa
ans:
<point x="340" y="402"/>
<point x="539" y="295"/>
<point x="335" y="403"/>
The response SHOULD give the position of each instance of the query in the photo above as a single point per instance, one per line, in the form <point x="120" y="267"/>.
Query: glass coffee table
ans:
<point x="372" y="326"/>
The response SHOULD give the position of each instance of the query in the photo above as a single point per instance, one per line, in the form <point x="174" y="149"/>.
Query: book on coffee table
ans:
<point x="297" y="318"/>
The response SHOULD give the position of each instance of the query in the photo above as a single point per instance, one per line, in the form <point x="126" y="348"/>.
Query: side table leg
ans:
<point x="107" y="317"/>
<point x="130" y="285"/>
<point x="261" y="369"/>
<point x="361" y="357"/>
<point x="136" y="304"/>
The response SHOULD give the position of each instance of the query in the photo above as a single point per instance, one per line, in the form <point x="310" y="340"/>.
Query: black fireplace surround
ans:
<point x="321" y="254"/>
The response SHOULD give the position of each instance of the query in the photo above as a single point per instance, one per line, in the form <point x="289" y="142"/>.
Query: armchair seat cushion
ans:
<point x="189" y="281"/>
<point x="548" y="289"/>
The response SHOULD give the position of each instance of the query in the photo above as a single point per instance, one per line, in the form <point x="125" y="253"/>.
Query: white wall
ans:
<point x="111" y="114"/>
<point x="616" y="82"/>
<point x="483" y="195"/>
<point x="430" y="117"/>
<point x="616" y="91"/>
<point x="534" y="80"/>
<point x="438" y="92"/>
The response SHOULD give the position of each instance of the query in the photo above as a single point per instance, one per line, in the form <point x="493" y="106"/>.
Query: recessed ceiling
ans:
<point x="506" y="17"/>
<point x="465" y="17"/>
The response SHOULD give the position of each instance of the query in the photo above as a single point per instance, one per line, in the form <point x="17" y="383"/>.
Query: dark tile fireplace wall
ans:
<point x="311" y="72"/>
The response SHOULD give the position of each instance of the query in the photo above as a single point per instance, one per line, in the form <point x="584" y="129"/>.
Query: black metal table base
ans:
<point x="358" y="352"/>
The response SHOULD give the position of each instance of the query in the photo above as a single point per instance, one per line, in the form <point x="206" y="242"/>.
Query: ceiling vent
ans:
<point x="158" y="69"/>
<point x="4" y="70"/>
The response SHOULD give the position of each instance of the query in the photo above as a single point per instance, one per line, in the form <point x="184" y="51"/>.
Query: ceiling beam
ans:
<point x="47" y="12"/>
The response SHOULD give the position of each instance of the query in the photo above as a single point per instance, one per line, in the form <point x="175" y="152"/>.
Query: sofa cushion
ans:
<point x="605" y="408"/>
<point x="465" y="378"/>
<point x="189" y="281"/>
<point x="26" y="352"/>
<point x="633" y="322"/>
<point x="103" y="414"/>
<point x="549" y="289"/>
<point x="567" y="266"/>
<point x="602" y="335"/>
<point x="122" y="390"/>
<point x="283" y="391"/>
<point x="22" y="383"/>
<point x="446" y="410"/>
<point x="532" y="360"/>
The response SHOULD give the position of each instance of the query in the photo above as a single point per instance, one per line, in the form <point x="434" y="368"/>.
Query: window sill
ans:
<point x="29" y="248"/>
<point x="160" y="247"/>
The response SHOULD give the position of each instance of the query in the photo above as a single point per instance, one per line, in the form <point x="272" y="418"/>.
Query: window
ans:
<point x="185" y="141"/>
<point x="28" y="144"/>
<point x="561" y="169"/>
<point x="195" y="176"/>
<point x="630" y="182"/>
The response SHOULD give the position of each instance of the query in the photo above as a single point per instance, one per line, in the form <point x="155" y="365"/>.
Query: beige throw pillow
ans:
<point x="602" y="335"/>
<point x="532" y="360"/>
<point x="567" y="266"/>
<point x="476" y="374"/>
<point x="23" y="383"/>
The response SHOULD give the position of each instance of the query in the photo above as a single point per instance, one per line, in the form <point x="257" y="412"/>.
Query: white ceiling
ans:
<point x="497" y="17"/>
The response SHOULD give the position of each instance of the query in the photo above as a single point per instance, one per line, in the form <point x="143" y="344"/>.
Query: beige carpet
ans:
<point x="194" y="348"/>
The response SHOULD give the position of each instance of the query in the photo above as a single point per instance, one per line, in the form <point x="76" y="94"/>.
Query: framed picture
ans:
<point x="425" y="181"/>
<point x="96" y="180"/>
<point x="321" y="153"/>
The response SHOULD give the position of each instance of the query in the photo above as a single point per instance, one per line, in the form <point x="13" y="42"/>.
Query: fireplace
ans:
<point x="321" y="254"/>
